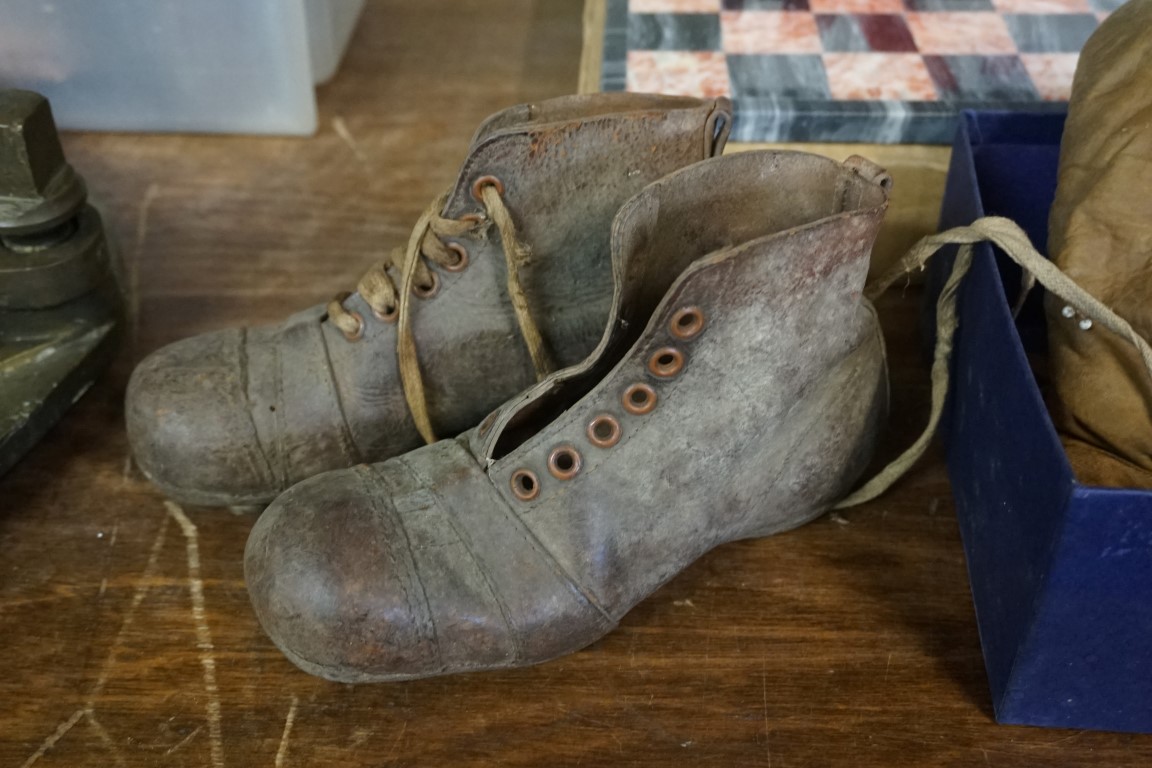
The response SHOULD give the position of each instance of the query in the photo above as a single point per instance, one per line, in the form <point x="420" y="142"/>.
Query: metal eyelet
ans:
<point x="666" y="362"/>
<point x="686" y="323"/>
<point x="461" y="262"/>
<point x="525" y="484"/>
<point x="604" y="431"/>
<point x="387" y="317"/>
<point x="486" y="181"/>
<point x="359" y="332"/>
<point x="564" y="462"/>
<point x="639" y="399"/>
<point x="427" y="291"/>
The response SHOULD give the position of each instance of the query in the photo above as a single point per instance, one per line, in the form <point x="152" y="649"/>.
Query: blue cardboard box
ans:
<point x="1061" y="572"/>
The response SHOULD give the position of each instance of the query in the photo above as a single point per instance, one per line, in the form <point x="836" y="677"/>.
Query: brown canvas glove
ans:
<point x="1100" y="234"/>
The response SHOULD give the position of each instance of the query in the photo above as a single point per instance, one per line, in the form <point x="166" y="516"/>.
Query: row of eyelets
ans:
<point x="461" y="263"/>
<point x="604" y="430"/>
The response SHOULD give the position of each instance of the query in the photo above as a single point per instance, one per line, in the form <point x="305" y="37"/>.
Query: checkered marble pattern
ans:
<point x="886" y="71"/>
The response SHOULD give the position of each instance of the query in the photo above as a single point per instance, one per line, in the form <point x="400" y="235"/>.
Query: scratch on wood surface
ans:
<point x="55" y="736"/>
<point x="887" y="667"/>
<point x="396" y="742"/>
<point x="104" y="737"/>
<point x="145" y="209"/>
<point x="282" y="751"/>
<point x="764" y="696"/>
<point x="203" y="633"/>
<point x="1054" y="742"/>
<point x="142" y="586"/>
<point x="126" y="475"/>
<point x="341" y="129"/>
<point x="184" y="741"/>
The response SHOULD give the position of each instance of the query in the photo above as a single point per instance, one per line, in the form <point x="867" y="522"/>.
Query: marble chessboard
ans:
<point x="876" y="71"/>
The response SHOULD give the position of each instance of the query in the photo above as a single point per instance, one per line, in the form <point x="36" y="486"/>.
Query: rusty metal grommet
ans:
<point x="387" y="317"/>
<point x="565" y="462"/>
<point x="666" y="362"/>
<point x="359" y="332"/>
<point x="486" y="181"/>
<point x="525" y="484"/>
<point x="604" y="431"/>
<point x="461" y="262"/>
<point x="427" y="292"/>
<point x="686" y="323"/>
<point x="639" y="399"/>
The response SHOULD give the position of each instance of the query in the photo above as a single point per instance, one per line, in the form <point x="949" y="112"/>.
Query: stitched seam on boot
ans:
<point x="559" y="570"/>
<point x="281" y="411"/>
<point x="351" y="450"/>
<point x="513" y="630"/>
<point x="242" y="365"/>
<point x="375" y="486"/>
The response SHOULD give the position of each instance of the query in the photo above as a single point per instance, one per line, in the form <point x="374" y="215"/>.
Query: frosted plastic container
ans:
<point x="231" y="66"/>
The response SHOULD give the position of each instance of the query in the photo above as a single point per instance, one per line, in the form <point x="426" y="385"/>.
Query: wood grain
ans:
<point x="125" y="632"/>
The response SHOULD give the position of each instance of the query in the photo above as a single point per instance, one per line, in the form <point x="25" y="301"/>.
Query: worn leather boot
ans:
<point x="737" y="392"/>
<point x="505" y="278"/>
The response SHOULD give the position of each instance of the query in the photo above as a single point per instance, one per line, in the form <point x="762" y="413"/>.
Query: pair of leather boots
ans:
<point x="636" y="350"/>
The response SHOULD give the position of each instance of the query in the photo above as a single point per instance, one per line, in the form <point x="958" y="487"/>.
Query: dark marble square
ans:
<point x="865" y="33"/>
<point x="765" y="5"/>
<point x="674" y="32"/>
<point x="1035" y="33"/>
<point x="785" y="76"/>
<point x="949" y="5"/>
<point x="983" y="78"/>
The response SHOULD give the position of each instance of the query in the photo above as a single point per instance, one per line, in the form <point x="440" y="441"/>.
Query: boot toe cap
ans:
<point x="189" y="422"/>
<point x="332" y="582"/>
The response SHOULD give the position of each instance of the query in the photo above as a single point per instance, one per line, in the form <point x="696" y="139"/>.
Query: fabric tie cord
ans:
<point x="393" y="304"/>
<point x="1014" y="242"/>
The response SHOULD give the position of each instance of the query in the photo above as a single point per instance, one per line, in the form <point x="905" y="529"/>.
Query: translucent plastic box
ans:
<point x="234" y="66"/>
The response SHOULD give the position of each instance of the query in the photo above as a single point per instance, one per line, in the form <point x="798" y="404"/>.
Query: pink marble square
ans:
<point x="680" y="73"/>
<point x="1042" y="6"/>
<point x="1051" y="73"/>
<point x="961" y="33"/>
<point x="674" y="6"/>
<point x="769" y="32"/>
<point x="856" y="6"/>
<point x="878" y="77"/>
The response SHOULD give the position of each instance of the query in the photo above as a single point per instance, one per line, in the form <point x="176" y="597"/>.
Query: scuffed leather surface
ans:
<point x="771" y="420"/>
<point x="235" y="418"/>
<point x="1100" y="234"/>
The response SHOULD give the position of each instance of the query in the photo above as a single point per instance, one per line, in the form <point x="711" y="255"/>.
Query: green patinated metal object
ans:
<point x="61" y="309"/>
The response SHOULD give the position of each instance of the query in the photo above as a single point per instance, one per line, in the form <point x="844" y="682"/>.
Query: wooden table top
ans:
<point x="126" y="637"/>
